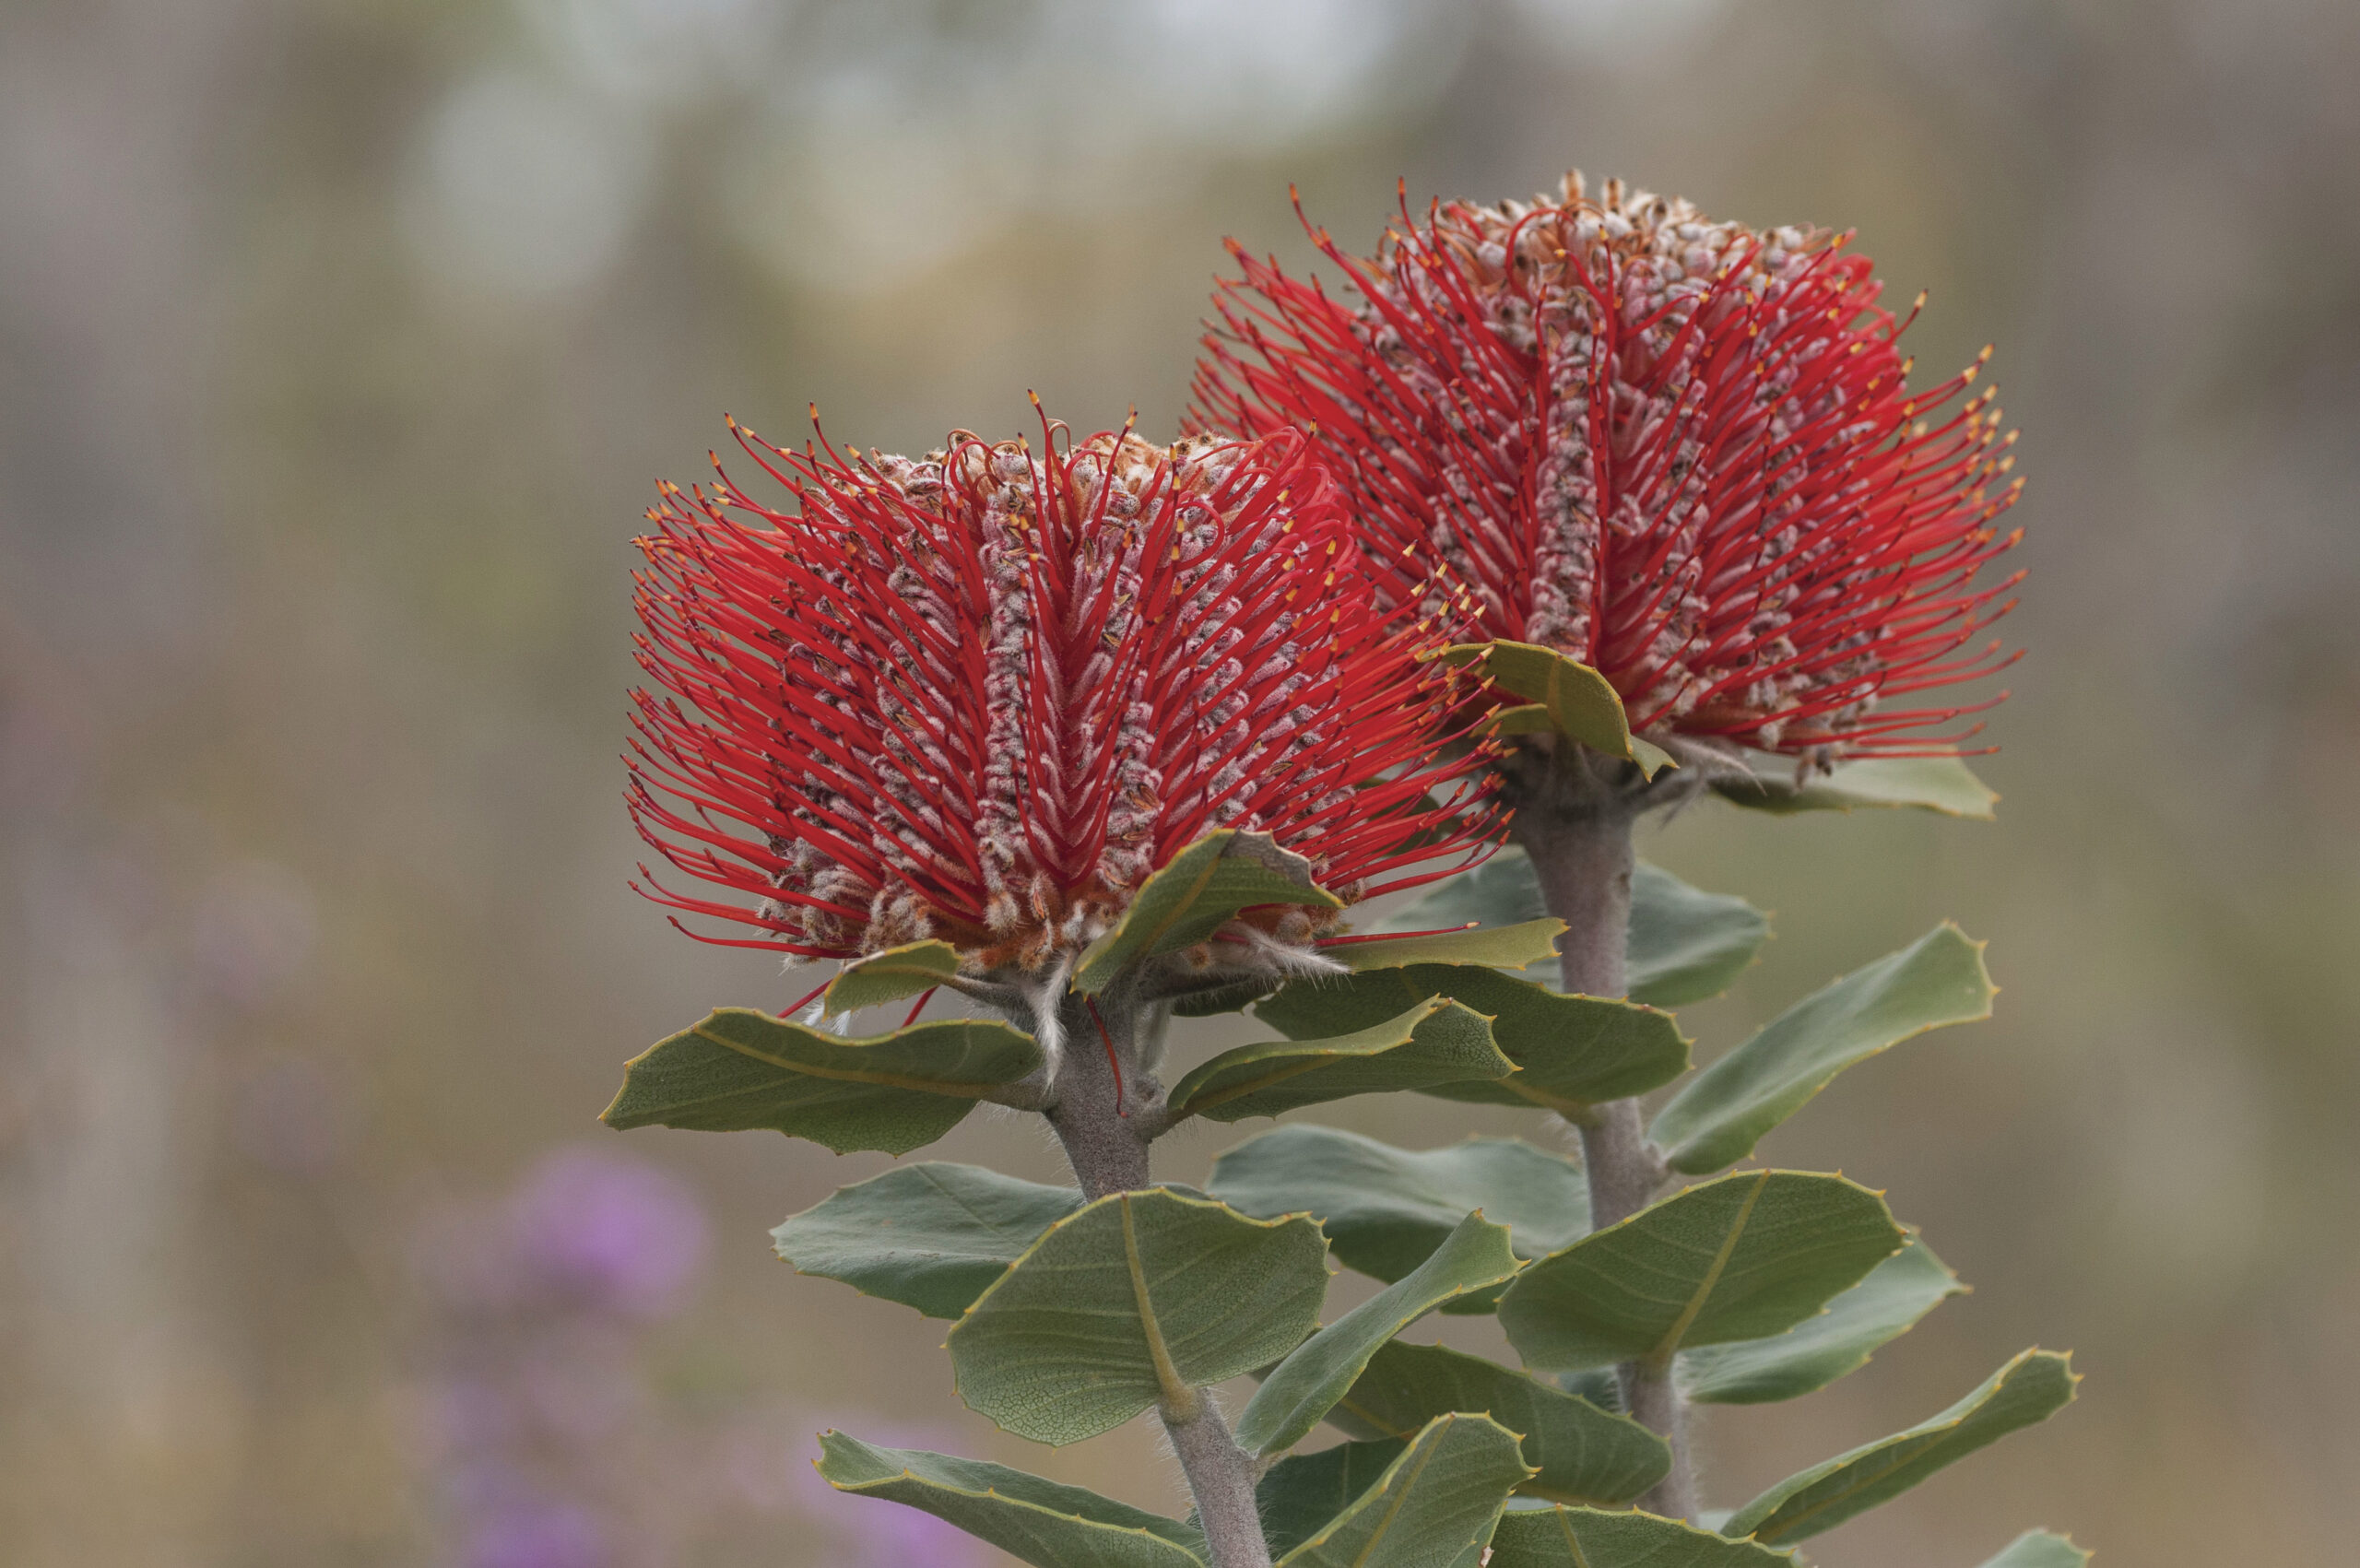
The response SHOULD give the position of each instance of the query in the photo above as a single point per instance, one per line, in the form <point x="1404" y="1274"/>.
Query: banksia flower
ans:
<point x="1682" y="452"/>
<point x="981" y="695"/>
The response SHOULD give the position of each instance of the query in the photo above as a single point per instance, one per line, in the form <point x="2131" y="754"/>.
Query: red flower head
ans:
<point x="981" y="695"/>
<point x="1681" y="452"/>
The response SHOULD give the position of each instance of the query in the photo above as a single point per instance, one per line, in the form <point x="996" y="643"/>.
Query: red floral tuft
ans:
<point x="983" y="694"/>
<point x="1682" y="452"/>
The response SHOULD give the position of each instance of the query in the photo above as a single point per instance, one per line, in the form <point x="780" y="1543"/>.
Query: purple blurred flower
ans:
<point x="538" y="1535"/>
<point x="611" y="1230"/>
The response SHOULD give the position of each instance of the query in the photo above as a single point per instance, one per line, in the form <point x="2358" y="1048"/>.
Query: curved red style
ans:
<point x="1679" y="450"/>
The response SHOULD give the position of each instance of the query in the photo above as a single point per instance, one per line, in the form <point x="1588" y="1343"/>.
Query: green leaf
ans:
<point x="1195" y="893"/>
<point x="1385" y="1210"/>
<point x="1435" y="1505"/>
<point x="1303" y="1388"/>
<point x="2029" y="1389"/>
<point x="1031" y="1518"/>
<point x="890" y="975"/>
<point x="1139" y="1299"/>
<point x="1581" y="1452"/>
<point x="1527" y="943"/>
<point x="1436" y="1042"/>
<point x="932" y="1236"/>
<point x="1747" y="1255"/>
<point x="1300" y="1495"/>
<point x="1584" y="1537"/>
<point x="1570" y="1052"/>
<point x="740" y="1070"/>
<point x="1720" y="1115"/>
<point x="1818" y="1351"/>
<point x="1234" y="998"/>
<point x="1686" y="944"/>
<point x="2038" y="1549"/>
<point x="1575" y="698"/>
<point x="1930" y="783"/>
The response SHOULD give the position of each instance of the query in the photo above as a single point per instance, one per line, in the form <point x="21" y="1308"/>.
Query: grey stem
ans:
<point x="1105" y="1123"/>
<point x="1574" y="818"/>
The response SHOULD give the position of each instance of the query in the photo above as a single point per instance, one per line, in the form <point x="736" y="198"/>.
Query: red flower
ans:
<point x="982" y="694"/>
<point x="1679" y="450"/>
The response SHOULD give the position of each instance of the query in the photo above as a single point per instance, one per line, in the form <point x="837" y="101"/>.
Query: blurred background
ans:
<point x="343" y="342"/>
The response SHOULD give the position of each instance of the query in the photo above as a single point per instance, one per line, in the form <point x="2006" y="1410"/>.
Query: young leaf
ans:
<point x="740" y="1070"/>
<point x="890" y="975"/>
<point x="1385" y="1210"/>
<point x="1930" y="783"/>
<point x="1436" y="1042"/>
<point x="1573" y="699"/>
<point x="1528" y="943"/>
<point x="1818" y="1351"/>
<point x="1434" y="1506"/>
<point x="1570" y="1052"/>
<point x="1194" y="894"/>
<point x="1584" y="1537"/>
<point x="1300" y="1495"/>
<point x="1580" y="1453"/>
<point x="1303" y="1388"/>
<point x="2038" y="1549"/>
<point x="1720" y="1115"/>
<point x="1686" y="944"/>
<point x="1737" y="1259"/>
<point x="1032" y="1519"/>
<point x="2029" y="1389"/>
<point x="932" y="1236"/>
<point x="1139" y="1299"/>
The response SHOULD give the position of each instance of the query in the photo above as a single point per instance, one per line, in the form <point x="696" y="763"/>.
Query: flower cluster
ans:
<point x="982" y="694"/>
<point x="1682" y="451"/>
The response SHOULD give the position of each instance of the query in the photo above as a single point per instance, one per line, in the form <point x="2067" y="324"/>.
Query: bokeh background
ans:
<point x="342" y="343"/>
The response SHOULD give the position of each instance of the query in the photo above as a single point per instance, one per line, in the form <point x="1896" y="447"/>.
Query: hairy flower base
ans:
<point x="981" y="695"/>
<point x="1679" y="450"/>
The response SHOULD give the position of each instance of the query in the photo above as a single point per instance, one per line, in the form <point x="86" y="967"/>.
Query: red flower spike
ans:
<point x="981" y="695"/>
<point x="1679" y="450"/>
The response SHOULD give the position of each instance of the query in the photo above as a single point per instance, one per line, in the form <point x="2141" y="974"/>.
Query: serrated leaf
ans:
<point x="1720" y="1115"/>
<point x="2038" y="1549"/>
<point x="1577" y="699"/>
<point x="1194" y="894"/>
<point x="741" y="1069"/>
<point x="1302" y="1493"/>
<point x="1943" y="785"/>
<point x="1302" y="1390"/>
<point x="890" y="975"/>
<point x="1385" y="1210"/>
<point x="1581" y="1452"/>
<point x="1029" y="1517"/>
<point x="1747" y="1255"/>
<point x="1433" y="1042"/>
<point x="1435" y="1505"/>
<point x="1570" y="1052"/>
<point x="1818" y="1351"/>
<point x="1526" y="944"/>
<point x="1586" y="1538"/>
<point x="932" y="1236"/>
<point x="2029" y="1389"/>
<point x="1139" y="1299"/>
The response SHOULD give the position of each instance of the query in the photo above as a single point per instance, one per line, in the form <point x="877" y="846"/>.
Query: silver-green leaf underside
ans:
<point x="1137" y="1300"/>
<point x="1385" y="1210"/>
<point x="1580" y="1453"/>
<point x="1586" y="1538"/>
<point x="740" y="1070"/>
<point x="1742" y="1257"/>
<point x="1943" y="785"/>
<point x="1818" y="1351"/>
<point x="1433" y="1042"/>
<point x="2029" y="1389"/>
<point x="890" y="975"/>
<point x="1432" y="1508"/>
<point x="1302" y="1390"/>
<point x="932" y="1235"/>
<point x="1562" y="695"/>
<point x="1195" y="893"/>
<point x="2039" y="1548"/>
<point x="1570" y="1052"/>
<point x="1031" y="1518"/>
<point x="1720" y="1115"/>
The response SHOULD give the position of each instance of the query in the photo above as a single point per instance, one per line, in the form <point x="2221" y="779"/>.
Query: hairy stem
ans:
<point x="1574" y="823"/>
<point x="1107" y="1106"/>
